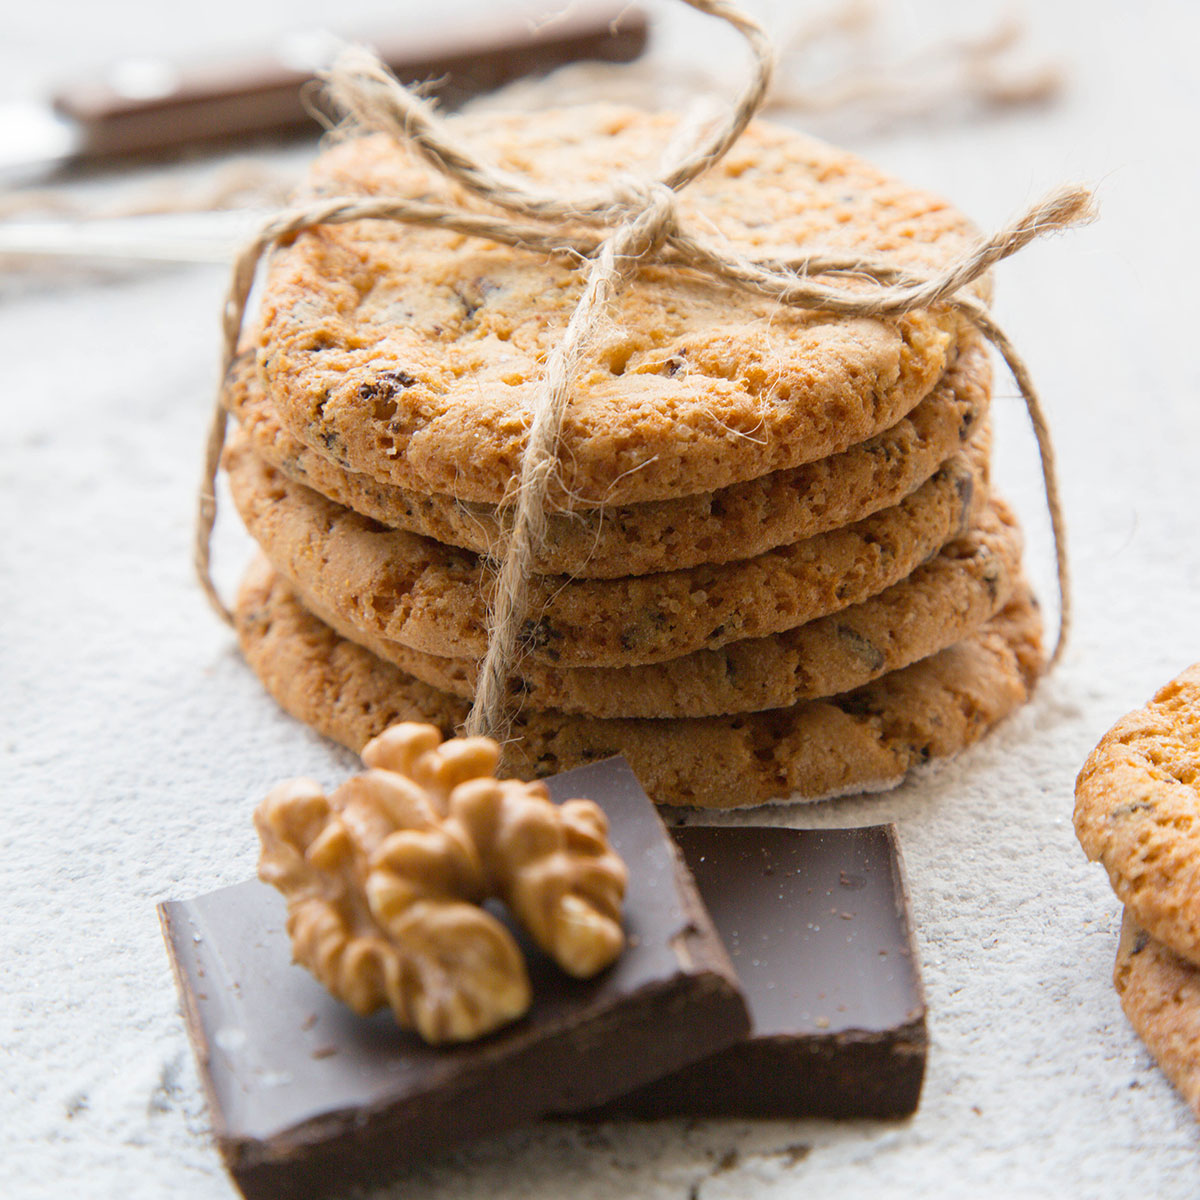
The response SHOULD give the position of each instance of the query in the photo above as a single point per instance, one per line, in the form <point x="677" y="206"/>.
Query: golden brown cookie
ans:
<point x="413" y="355"/>
<point x="940" y="603"/>
<point x="735" y="522"/>
<point x="1160" y="993"/>
<point x="863" y="740"/>
<point x="433" y="598"/>
<point x="1137" y="811"/>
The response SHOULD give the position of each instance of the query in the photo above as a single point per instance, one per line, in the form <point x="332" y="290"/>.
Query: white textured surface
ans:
<point x="135" y="743"/>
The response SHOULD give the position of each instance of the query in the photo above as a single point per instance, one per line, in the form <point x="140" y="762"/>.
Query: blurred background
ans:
<point x="136" y="742"/>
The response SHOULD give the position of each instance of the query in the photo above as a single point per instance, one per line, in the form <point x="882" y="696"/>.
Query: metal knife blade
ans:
<point x="149" y="107"/>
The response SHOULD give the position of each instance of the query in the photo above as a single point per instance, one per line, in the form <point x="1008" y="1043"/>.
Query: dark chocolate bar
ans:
<point x="816" y="923"/>
<point x="305" y="1097"/>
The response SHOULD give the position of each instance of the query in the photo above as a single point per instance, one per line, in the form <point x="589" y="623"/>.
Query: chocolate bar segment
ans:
<point x="306" y="1098"/>
<point x="816" y="923"/>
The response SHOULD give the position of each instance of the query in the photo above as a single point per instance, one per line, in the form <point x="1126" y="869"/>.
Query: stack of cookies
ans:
<point x="774" y="567"/>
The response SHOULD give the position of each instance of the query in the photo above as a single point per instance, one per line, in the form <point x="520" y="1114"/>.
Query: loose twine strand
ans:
<point x="614" y="232"/>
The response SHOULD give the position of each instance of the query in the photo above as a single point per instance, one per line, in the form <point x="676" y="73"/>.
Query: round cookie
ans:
<point x="1160" y="994"/>
<point x="1137" y="811"/>
<point x="414" y="355"/>
<point x="433" y="598"/>
<point x="738" y="521"/>
<point x="864" y="740"/>
<point x="941" y="602"/>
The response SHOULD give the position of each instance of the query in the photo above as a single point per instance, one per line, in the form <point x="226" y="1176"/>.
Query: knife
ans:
<point x="191" y="237"/>
<point x="152" y="106"/>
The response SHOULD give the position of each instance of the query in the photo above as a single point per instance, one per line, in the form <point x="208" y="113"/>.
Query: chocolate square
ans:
<point x="816" y="924"/>
<point x="306" y="1098"/>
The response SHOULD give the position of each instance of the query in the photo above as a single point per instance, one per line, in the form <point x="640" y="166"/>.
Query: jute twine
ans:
<point x="614" y="232"/>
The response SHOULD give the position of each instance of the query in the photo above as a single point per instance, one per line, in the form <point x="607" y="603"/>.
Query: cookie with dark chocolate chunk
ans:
<point x="863" y="740"/>
<point x="600" y="542"/>
<point x="412" y="355"/>
<point x="434" y="598"/>
<point x="942" y="601"/>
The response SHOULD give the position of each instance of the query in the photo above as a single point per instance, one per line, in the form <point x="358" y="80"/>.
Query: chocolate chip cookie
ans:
<point x="1160" y="994"/>
<point x="412" y="355"/>
<point x="735" y="522"/>
<point x="942" y="601"/>
<point x="433" y="598"/>
<point x="863" y="740"/>
<point x="1137" y="811"/>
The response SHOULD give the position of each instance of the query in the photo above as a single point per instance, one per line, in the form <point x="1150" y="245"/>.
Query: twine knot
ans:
<point x="634" y="221"/>
<point x="648" y="213"/>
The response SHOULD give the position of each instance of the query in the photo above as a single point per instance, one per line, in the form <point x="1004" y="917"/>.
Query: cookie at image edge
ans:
<point x="1160" y="994"/>
<point x="1137" y="812"/>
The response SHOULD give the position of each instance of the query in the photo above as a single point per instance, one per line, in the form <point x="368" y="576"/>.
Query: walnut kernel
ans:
<point x="385" y="877"/>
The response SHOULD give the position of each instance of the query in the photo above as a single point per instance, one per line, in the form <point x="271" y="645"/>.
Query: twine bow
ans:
<point x="614" y="232"/>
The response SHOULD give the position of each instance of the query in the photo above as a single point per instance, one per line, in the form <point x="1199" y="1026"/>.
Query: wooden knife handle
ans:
<point x="148" y="107"/>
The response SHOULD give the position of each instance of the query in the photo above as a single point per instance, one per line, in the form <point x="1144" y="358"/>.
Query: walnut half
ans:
<point x="384" y="880"/>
